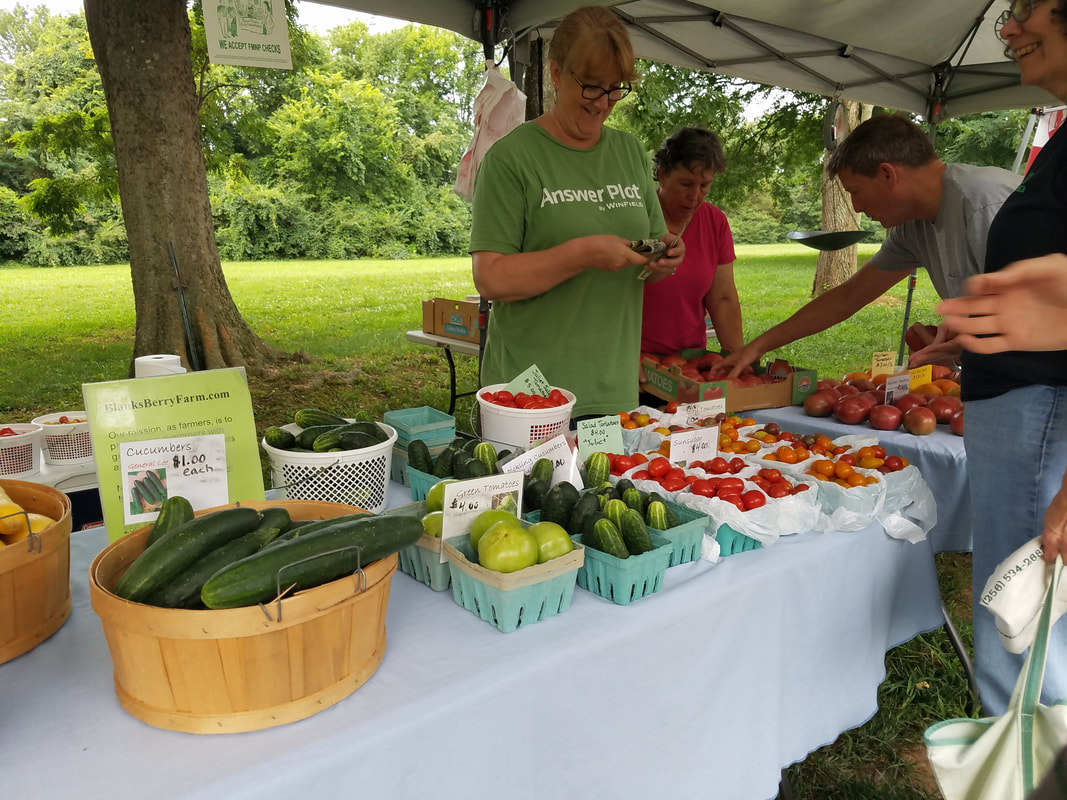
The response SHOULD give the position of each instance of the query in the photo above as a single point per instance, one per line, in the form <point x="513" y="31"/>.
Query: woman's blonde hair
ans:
<point x="590" y="37"/>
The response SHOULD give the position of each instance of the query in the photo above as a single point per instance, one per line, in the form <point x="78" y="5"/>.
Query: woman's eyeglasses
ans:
<point x="615" y="93"/>
<point x="1019" y="10"/>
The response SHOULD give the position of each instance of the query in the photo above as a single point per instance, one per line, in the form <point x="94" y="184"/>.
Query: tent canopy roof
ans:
<point x="938" y="59"/>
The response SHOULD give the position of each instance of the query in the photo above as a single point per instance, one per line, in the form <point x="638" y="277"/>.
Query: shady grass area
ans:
<point x="67" y="326"/>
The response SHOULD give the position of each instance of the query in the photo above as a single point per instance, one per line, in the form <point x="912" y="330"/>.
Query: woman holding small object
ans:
<point x="558" y="203"/>
<point x="1016" y="428"/>
<point x="675" y="308"/>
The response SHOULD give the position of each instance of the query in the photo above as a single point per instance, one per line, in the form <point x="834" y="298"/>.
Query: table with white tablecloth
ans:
<point x="939" y="456"/>
<point x="707" y="688"/>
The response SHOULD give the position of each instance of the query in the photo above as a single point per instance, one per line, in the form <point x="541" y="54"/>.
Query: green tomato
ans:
<point x="553" y="540"/>
<point x="486" y="520"/>
<point x="507" y="547"/>
<point x="435" y="497"/>
<point x="432" y="522"/>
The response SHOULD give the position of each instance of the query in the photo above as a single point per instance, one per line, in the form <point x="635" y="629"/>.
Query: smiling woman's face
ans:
<point x="1039" y="46"/>
<point x="581" y="119"/>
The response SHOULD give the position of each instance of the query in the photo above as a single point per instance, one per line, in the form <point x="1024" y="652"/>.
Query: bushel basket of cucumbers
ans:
<point x="246" y="616"/>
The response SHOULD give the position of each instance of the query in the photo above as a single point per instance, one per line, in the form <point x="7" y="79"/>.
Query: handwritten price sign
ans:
<point x="532" y="382"/>
<point x="599" y="435"/>
<point x="698" y="444"/>
<point x="465" y="500"/>
<point x="556" y="450"/>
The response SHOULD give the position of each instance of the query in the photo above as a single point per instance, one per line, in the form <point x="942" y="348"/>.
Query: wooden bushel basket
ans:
<point x="35" y="572"/>
<point x="231" y="670"/>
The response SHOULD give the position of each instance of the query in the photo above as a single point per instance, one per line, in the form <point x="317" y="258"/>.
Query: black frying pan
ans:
<point x="828" y="240"/>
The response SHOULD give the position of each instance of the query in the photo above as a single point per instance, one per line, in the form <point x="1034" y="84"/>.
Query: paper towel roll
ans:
<point x="152" y="366"/>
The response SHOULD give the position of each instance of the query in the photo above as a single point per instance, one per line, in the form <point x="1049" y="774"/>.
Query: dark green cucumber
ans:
<point x="332" y="438"/>
<point x="311" y="527"/>
<point x="635" y="532"/>
<point x="308" y="417"/>
<point x="354" y="440"/>
<point x="279" y="438"/>
<point x="587" y="504"/>
<point x="442" y="466"/>
<point x="622" y="484"/>
<point x="276" y="517"/>
<point x="174" y="512"/>
<point x="308" y="561"/>
<point x="533" y="494"/>
<point x="543" y="468"/>
<point x="182" y="547"/>
<point x="184" y="590"/>
<point x="139" y="501"/>
<point x="419" y="456"/>
<point x="148" y="492"/>
<point x="306" y="438"/>
<point x="558" y="503"/>
<point x="160" y="491"/>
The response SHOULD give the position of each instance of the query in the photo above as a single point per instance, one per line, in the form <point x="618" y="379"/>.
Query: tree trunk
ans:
<point x="837" y="266"/>
<point x="143" y="54"/>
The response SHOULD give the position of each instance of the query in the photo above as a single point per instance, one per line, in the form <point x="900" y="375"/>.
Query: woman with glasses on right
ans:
<point x="1016" y="429"/>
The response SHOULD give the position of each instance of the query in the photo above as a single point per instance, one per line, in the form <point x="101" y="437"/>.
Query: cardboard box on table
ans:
<point x="790" y="387"/>
<point x="453" y="319"/>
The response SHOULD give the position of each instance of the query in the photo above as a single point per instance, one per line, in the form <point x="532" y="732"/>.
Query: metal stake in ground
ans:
<point x="194" y="359"/>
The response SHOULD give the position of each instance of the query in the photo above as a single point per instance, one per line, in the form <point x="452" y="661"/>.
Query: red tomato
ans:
<point x="847" y="458"/>
<point x="504" y="396"/>
<point x="639" y="458"/>
<point x="800" y="487"/>
<point x="658" y="466"/>
<point x="621" y="464"/>
<point x="671" y="407"/>
<point x="786" y="436"/>
<point x="717" y="465"/>
<point x="672" y="484"/>
<point x="779" y="489"/>
<point x="753" y="498"/>
<point x="557" y="397"/>
<point x="691" y="478"/>
<point x="735" y="500"/>
<point x="731" y="485"/>
<point x="736" y="465"/>
<point x="675" y="472"/>
<point x="703" y="487"/>
<point x="641" y="475"/>
<point x="696" y="465"/>
<point x="769" y="474"/>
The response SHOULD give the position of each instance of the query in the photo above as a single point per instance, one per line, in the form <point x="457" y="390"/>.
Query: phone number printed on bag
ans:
<point x="1008" y="574"/>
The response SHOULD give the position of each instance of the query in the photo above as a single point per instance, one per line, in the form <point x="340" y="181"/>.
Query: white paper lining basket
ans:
<point x="521" y="427"/>
<point x="66" y="443"/>
<point x="20" y="454"/>
<point x="355" y="477"/>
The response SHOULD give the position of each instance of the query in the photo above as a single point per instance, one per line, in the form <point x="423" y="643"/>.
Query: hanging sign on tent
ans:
<point x="248" y="33"/>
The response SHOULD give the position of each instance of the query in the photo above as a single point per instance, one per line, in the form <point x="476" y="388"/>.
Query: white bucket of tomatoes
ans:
<point x="522" y="420"/>
<point x="20" y="449"/>
<point x="66" y="438"/>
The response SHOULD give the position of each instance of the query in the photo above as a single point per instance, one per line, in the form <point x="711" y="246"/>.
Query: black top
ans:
<point x="1032" y="222"/>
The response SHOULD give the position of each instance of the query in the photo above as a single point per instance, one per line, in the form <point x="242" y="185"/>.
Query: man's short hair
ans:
<point x="884" y="139"/>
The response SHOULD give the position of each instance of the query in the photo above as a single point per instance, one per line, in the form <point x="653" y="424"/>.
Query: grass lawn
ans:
<point x="73" y="325"/>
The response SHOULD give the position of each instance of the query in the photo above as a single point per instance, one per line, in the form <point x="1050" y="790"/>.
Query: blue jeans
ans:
<point x="1016" y="456"/>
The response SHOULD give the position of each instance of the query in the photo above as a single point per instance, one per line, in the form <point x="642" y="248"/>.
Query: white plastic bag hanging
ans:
<point x="499" y="108"/>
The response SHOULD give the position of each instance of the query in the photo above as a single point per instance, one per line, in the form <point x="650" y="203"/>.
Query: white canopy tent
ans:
<point x="937" y="59"/>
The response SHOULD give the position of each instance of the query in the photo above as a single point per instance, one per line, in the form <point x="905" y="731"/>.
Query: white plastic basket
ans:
<point x="66" y="443"/>
<point x="522" y="427"/>
<point x="20" y="455"/>
<point x="355" y="477"/>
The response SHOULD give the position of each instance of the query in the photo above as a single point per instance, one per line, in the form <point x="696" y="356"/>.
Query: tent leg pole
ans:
<point x="907" y="315"/>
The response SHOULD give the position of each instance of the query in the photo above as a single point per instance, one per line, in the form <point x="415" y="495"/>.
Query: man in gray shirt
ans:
<point x="937" y="214"/>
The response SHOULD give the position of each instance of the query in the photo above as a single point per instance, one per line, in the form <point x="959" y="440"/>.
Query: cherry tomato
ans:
<point x="621" y="464"/>
<point x="671" y="407"/>
<point x="779" y="489"/>
<point x="557" y="397"/>
<point x="675" y="473"/>
<point x="736" y="465"/>
<point x="703" y="487"/>
<point x="731" y="484"/>
<point x="735" y="500"/>
<point x="847" y="458"/>
<point x="769" y="474"/>
<point x="672" y="484"/>
<point x="504" y="396"/>
<point x="641" y="475"/>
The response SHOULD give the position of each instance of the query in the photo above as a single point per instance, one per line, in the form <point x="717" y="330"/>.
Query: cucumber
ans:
<point x="477" y="468"/>
<point x="182" y="547"/>
<point x="279" y="438"/>
<point x="635" y="533"/>
<point x="313" y="526"/>
<point x="353" y="440"/>
<point x="442" y="467"/>
<point x="311" y="560"/>
<point x="659" y="516"/>
<point x="184" y="590"/>
<point x="158" y="489"/>
<point x="306" y="438"/>
<point x="332" y="438"/>
<point x="635" y="499"/>
<point x="148" y="491"/>
<point x="175" y="512"/>
<point x="460" y="461"/>
<point x="604" y="536"/>
<point x="597" y="469"/>
<point x="419" y="456"/>
<point x="276" y="517"/>
<point x="614" y="510"/>
<point x="558" y="503"/>
<point x="587" y="504"/>
<point x="486" y="453"/>
<point x="622" y="484"/>
<point x="308" y="417"/>
<point x="543" y="468"/>
<point x="533" y="495"/>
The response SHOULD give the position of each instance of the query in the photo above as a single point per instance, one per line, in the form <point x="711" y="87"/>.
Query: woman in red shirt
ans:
<point x="674" y="308"/>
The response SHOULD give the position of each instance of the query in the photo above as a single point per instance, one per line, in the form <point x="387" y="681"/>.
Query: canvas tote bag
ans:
<point x="1004" y="758"/>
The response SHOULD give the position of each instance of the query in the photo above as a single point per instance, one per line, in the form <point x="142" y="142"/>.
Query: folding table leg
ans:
<point x="785" y="791"/>
<point x="451" y="380"/>
<point x="965" y="660"/>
